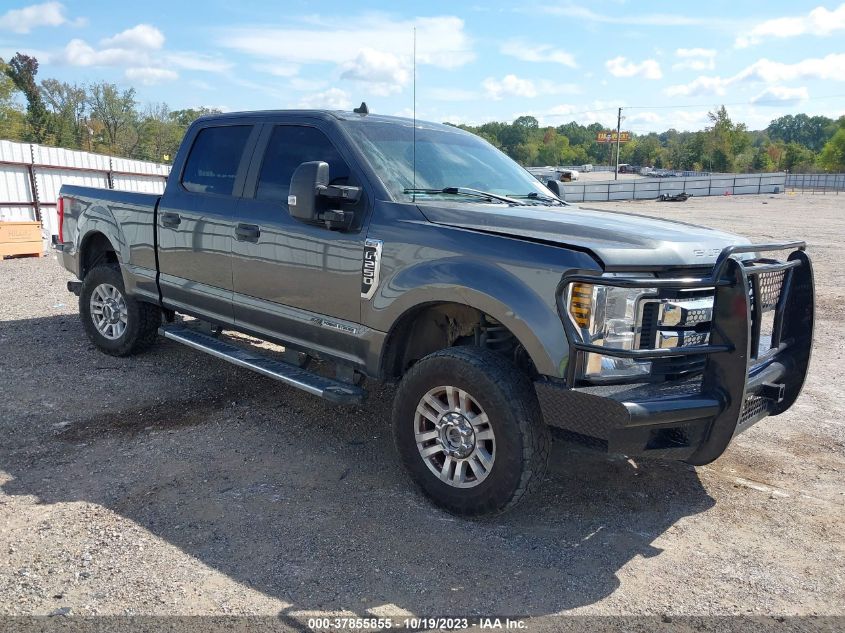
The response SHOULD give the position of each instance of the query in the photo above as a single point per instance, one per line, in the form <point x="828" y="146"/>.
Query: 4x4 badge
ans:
<point x="370" y="268"/>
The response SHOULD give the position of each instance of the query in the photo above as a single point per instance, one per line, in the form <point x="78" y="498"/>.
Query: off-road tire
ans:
<point x="143" y="319"/>
<point x="507" y="396"/>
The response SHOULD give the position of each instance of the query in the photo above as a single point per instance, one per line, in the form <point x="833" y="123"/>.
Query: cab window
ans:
<point x="215" y="157"/>
<point x="289" y="147"/>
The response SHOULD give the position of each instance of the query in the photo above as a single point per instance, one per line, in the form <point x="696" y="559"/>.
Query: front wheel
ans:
<point x="115" y="323"/>
<point x="469" y="430"/>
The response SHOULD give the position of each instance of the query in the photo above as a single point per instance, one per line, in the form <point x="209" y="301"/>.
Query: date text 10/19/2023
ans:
<point x="413" y="624"/>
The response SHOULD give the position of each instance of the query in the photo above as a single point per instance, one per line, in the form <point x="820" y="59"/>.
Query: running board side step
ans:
<point x="327" y="388"/>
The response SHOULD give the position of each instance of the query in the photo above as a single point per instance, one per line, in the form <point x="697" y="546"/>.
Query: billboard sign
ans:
<point x="610" y="137"/>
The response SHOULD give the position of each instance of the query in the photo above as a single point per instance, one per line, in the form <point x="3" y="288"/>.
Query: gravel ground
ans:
<point x="173" y="483"/>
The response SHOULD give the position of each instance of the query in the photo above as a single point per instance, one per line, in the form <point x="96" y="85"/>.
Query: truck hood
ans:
<point x="617" y="239"/>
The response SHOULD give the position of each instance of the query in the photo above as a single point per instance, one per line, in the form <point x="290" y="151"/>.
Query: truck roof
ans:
<point x="339" y="115"/>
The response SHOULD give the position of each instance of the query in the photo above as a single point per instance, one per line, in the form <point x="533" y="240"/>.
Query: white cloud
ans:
<point x="278" y="69"/>
<point x="564" y="109"/>
<point x="142" y="36"/>
<point x="596" y="111"/>
<point x="509" y="86"/>
<point x="529" y="52"/>
<point x="827" y="68"/>
<point x="31" y="17"/>
<point x="575" y="12"/>
<point x="689" y="119"/>
<point x="79" y="53"/>
<point x="695" y="52"/>
<point x="700" y="86"/>
<point x="139" y="50"/>
<point x="441" y="41"/>
<point x="622" y="67"/>
<point x="513" y="86"/>
<point x="331" y="99"/>
<point x="384" y="72"/>
<point x="781" y="95"/>
<point x="148" y="75"/>
<point x="132" y="47"/>
<point x="643" y="117"/>
<point x="820" y="22"/>
<point x="695" y="59"/>
<point x="197" y="61"/>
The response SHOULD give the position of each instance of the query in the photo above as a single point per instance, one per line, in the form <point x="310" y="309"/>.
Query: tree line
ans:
<point x="107" y="119"/>
<point x="100" y="117"/>
<point x="798" y="143"/>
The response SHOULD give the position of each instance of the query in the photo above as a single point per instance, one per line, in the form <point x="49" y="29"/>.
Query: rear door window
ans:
<point x="215" y="157"/>
<point x="289" y="147"/>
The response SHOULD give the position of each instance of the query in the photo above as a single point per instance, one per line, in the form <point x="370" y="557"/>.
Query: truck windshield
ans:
<point x="446" y="160"/>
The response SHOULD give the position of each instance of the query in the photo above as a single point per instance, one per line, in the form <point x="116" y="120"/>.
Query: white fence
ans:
<point x="31" y="176"/>
<point x="651" y="188"/>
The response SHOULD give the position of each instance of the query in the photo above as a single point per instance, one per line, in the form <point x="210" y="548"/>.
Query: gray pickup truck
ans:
<point x="418" y="253"/>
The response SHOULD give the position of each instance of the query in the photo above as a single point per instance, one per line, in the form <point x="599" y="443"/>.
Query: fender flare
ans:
<point x="492" y="289"/>
<point x="98" y="219"/>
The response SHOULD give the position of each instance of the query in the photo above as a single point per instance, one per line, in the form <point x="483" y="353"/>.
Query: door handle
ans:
<point x="170" y="220"/>
<point x="247" y="232"/>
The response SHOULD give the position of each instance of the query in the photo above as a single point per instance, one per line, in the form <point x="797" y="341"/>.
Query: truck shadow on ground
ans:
<point x="305" y="502"/>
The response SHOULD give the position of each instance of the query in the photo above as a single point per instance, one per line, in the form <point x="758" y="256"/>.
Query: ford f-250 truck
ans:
<point x="418" y="253"/>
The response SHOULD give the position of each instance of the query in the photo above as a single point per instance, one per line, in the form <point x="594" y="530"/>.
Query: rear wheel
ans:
<point x="115" y="323"/>
<point x="469" y="430"/>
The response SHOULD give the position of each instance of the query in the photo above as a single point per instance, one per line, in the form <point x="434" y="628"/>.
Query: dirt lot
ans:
<point x="173" y="483"/>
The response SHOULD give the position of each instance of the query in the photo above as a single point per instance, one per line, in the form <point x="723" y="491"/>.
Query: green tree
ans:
<point x="796" y="157"/>
<point x="724" y="141"/>
<point x="762" y="160"/>
<point x="116" y="112"/>
<point x="67" y="105"/>
<point x="160" y="133"/>
<point x="12" y="118"/>
<point x="811" y="132"/>
<point x="185" y="117"/>
<point x="22" y="70"/>
<point x="832" y="156"/>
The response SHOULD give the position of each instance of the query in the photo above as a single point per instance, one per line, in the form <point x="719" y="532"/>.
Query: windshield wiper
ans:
<point x="466" y="191"/>
<point x="540" y="197"/>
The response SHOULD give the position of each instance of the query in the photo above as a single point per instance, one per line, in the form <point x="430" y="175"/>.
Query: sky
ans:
<point x="665" y="63"/>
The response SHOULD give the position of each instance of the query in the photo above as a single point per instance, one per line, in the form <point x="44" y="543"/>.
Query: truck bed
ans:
<point x="126" y="217"/>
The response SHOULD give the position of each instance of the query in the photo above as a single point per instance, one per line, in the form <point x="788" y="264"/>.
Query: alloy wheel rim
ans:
<point x="454" y="437"/>
<point x="108" y="311"/>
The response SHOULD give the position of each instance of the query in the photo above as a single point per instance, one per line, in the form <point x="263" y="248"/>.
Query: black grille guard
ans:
<point x="738" y="386"/>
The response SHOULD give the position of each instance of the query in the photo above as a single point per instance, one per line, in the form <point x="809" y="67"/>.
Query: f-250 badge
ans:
<point x="370" y="268"/>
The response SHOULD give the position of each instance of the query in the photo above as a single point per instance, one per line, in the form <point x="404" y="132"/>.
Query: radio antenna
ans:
<point x="414" y="150"/>
<point x="414" y="137"/>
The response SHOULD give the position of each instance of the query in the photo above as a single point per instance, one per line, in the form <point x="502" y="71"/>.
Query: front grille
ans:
<point x="648" y="326"/>
<point x="675" y="367"/>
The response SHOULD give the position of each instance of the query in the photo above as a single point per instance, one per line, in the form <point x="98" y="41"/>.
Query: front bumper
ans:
<point x="742" y="382"/>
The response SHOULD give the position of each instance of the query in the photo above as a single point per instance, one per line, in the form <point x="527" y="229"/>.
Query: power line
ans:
<point x="590" y="111"/>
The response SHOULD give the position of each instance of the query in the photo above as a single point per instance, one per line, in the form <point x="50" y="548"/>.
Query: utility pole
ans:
<point x="618" y="138"/>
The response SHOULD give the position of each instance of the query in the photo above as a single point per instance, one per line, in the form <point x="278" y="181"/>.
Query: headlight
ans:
<point x="609" y="316"/>
<point x="635" y="318"/>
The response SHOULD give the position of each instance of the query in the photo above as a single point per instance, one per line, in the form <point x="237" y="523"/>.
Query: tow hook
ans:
<point x="75" y="287"/>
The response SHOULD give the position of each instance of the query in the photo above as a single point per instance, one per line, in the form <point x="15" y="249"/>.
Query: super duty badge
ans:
<point x="370" y="268"/>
